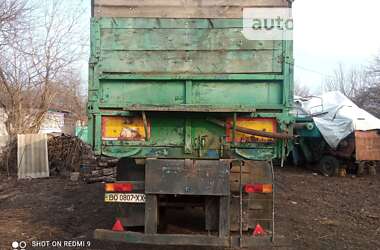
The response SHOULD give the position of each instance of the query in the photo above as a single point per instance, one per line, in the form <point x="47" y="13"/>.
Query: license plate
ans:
<point x="127" y="198"/>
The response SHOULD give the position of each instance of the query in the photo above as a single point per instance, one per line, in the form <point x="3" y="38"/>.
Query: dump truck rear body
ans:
<point x="194" y="110"/>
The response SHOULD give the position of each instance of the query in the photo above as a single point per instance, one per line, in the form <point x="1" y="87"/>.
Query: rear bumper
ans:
<point x="182" y="239"/>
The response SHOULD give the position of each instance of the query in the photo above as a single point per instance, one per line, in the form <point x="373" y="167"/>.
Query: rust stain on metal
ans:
<point x="367" y="145"/>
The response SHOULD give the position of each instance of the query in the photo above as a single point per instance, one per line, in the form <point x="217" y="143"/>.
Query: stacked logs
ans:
<point x="103" y="171"/>
<point x="67" y="153"/>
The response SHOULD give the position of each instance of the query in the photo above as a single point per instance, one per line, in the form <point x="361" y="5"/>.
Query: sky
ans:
<point x="329" y="32"/>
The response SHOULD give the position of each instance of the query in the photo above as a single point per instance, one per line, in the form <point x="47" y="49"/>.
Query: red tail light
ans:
<point x="118" y="187"/>
<point x="258" y="188"/>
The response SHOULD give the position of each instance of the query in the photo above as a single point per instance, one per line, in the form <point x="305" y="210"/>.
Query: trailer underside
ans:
<point x="232" y="210"/>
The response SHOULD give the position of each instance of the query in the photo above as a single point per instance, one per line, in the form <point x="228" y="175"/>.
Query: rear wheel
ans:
<point x="329" y="165"/>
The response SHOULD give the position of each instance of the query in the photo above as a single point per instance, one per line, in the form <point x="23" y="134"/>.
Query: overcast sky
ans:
<point x="329" y="32"/>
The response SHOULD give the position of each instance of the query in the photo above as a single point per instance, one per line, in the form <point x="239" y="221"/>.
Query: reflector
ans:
<point x="118" y="227"/>
<point x="267" y="188"/>
<point x="259" y="231"/>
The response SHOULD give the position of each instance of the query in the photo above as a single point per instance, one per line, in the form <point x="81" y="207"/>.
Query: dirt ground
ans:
<point x="312" y="212"/>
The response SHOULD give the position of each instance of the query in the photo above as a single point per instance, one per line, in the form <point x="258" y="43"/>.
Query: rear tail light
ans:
<point x="118" y="187"/>
<point x="258" y="188"/>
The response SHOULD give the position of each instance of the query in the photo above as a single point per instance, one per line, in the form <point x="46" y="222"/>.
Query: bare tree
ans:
<point x="69" y="97"/>
<point x="360" y="84"/>
<point x="12" y="19"/>
<point x="40" y="45"/>
<point x="349" y="82"/>
<point x="369" y="97"/>
<point x="38" y="61"/>
<point x="301" y="90"/>
<point x="374" y="71"/>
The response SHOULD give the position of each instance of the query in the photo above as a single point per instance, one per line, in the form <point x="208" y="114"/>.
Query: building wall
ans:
<point x="54" y="122"/>
<point x="3" y="130"/>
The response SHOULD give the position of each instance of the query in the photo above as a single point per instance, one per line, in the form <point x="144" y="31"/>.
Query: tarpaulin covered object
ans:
<point x="336" y="116"/>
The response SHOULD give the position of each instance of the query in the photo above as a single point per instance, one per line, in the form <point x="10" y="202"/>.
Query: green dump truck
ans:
<point x="195" y="112"/>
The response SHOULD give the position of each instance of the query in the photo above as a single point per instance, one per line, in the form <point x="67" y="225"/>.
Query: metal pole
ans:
<point x="241" y="207"/>
<point x="273" y="193"/>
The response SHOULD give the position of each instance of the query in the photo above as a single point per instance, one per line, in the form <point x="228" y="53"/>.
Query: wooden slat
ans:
<point x="162" y="239"/>
<point x="181" y="3"/>
<point x="170" y="12"/>
<point x="367" y="145"/>
<point x="182" y="11"/>
<point x="169" y="23"/>
<point x="206" y="62"/>
<point x="181" y="39"/>
<point x="224" y="216"/>
<point x="151" y="214"/>
<point x="211" y="213"/>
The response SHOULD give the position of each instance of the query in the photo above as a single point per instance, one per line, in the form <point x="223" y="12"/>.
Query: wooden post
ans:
<point x="224" y="216"/>
<point x="151" y="214"/>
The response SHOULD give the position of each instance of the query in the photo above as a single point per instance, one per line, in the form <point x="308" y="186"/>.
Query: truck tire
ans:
<point x="298" y="159"/>
<point x="329" y="165"/>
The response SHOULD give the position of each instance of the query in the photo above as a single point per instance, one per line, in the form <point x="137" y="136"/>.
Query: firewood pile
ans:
<point x="8" y="158"/>
<point x="68" y="154"/>
<point x="104" y="170"/>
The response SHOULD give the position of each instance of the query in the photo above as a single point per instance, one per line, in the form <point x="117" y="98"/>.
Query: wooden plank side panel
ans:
<point x="367" y="145"/>
<point x="163" y="239"/>
<point x="181" y="3"/>
<point x="194" y="62"/>
<point x="170" y="12"/>
<point x="181" y="39"/>
<point x="180" y="9"/>
<point x="168" y="23"/>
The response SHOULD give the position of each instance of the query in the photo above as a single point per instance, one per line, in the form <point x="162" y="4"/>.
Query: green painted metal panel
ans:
<point x="142" y="92"/>
<point x="231" y="93"/>
<point x="205" y="62"/>
<point x="221" y="77"/>
<point x="198" y="64"/>
<point x="82" y="133"/>
<point x="167" y="131"/>
<point x="237" y="93"/>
